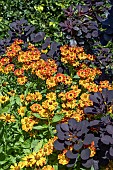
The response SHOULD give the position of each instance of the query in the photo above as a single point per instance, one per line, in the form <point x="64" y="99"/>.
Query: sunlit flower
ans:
<point x="22" y="80"/>
<point x="21" y="110"/>
<point x="48" y="167"/>
<point x="59" y="77"/>
<point x="27" y="123"/>
<point x="51" y="82"/>
<point x="7" y="118"/>
<point x="4" y="99"/>
<point x="92" y="149"/>
<point x="63" y="159"/>
<point x="15" y="167"/>
<point x="51" y="96"/>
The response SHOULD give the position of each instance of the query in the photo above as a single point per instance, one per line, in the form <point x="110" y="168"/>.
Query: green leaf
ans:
<point x="38" y="116"/>
<point x="12" y="100"/>
<point x="6" y="109"/>
<point x="34" y="143"/>
<point x="18" y="101"/>
<point x="76" y="76"/>
<point x="92" y="168"/>
<point x="57" y="118"/>
<point x="55" y="167"/>
<point x="40" y="127"/>
<point x="2" y="157"/>
<point x="38" y="146"/>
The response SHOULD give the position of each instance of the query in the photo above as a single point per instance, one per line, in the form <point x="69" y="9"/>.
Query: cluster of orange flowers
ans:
<point x="29" y="59"/>
<point x="37" y="159"/>
<point x="58" y="78"/>
<point x="71" y="101"/>
<point x="28" y="123"/>
<point x="73" y="55"/>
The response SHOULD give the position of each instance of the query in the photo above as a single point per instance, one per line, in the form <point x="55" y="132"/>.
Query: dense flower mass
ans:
<point x="56" y="99"/>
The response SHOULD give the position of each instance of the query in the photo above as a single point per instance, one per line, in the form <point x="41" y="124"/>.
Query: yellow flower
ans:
<point x="49" y="105"/>
<point x="22" y="80"/>
<point x="84" y="96"/>
<point x="51" y="96"/>
<point x="22" y="98"/>
<point x="67" y="80"/>
<point x="15" y="167"/>
<point x="27" y="123"/>
<point x="62" y="159"/>
<point x="7" y="118"/>
<point x="11" y="93"/>
<point x="38" y="96"/>
<point x="50" y="82"/>
<point x="63" y="96"/>
<point x="21" y="110"/>
<point x="27" y="161"/>
<point x="48" y="167"/>
<point x="3" y="99"/>
<point x="48" y="149"/>
<point x="72" y="104"/>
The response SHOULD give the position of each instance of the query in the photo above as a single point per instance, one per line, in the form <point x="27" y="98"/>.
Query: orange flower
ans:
<point x="67" y="80"/>
<point x="92" y="149"/>
<point x="8" y="68"/>
<point x="19" y="72"/>
<point x="59" y="77"/>
<point x="36" y="107"/>
<point x="71" y="95"/>
<point x="63" y="159"/>
<point x="51" y="82"/>
<point x="22" y="80"/>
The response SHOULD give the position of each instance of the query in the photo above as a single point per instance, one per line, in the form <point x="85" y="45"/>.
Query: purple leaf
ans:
<point x="85" y="154"/>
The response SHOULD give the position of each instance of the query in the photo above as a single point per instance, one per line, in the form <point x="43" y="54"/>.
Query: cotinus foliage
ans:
<point x="82" y="23"/>
<point x="101" y="102"/>
<point x="107" y="25"/>
<point x="91" y="142"/>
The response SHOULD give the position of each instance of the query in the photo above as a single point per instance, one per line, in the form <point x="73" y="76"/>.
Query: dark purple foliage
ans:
<point x="98" y="131"/>
<point x="101" y="102"/>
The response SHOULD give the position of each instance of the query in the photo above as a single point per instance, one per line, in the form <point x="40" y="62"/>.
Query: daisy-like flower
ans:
<point x="7" y="118"/>
<point x="4" y="99"/>
<point x="51" y="82"/>
<point x="12" y="92"/>
<point x="22" y="98"/>
<point x="38" y="96"/>
<point x="62" y="96"/>
<point x="84" y="96"/>
<point x="36" y="107"/>
<point x="70" y="95"/>
<point x="51" y="96"/>
<point x="48" y="167"/>
<point x="22" y="80"/>
<point x="21" y="110"/>
<point x="19" y="72"/>
<point x="68" y="80"/>
<point x="15" y="167"/>
<point x="63" y="159"/>
<point x="27" y="123"/>
<point x="59" y="77"/>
